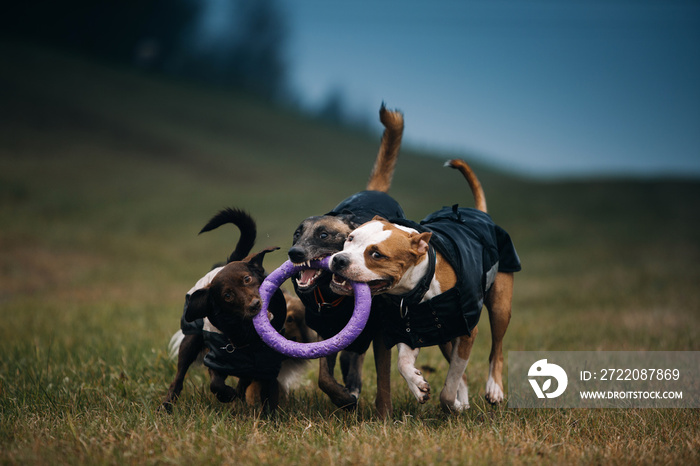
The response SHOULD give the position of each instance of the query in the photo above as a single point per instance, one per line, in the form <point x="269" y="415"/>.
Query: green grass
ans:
<point x="107" y="175"/>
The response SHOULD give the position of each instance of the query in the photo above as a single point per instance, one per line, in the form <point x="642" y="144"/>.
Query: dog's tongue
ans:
<point x="307" y="276"/>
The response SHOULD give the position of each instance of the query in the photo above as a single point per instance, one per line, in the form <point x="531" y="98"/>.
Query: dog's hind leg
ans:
<point x="339" y="395"/>
<point x="190" y="347"/>
<point x="498" y="303"/>
<point x="463" y="389"/>
<point x="382" y="363"/>
<point x="351" y="368"/>
<point x="455" y="394"/>
<point x="414" y="378"/>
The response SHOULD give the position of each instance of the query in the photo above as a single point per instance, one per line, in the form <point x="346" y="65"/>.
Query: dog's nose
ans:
<point x="296" y="255"/>
<point x="339" y="262"/>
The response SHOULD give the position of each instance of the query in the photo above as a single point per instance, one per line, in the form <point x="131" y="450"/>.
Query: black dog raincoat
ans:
<point x="477" y="249"/>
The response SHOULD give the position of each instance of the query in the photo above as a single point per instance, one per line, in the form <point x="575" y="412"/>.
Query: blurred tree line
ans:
<point x="236" y="43"/>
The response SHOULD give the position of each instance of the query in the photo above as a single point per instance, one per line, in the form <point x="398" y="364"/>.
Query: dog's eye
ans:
<point x="323" y="235"/>
<point x="228" y="296"/>
<point x="247" y="279"/>
<point x="377" y="255"/>
<point x="350" y="238"/>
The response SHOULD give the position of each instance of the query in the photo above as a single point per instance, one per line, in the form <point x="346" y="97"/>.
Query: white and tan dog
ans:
<point x="439" y="273"/>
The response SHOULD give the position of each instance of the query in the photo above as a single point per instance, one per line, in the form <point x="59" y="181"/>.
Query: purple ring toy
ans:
<point x="363" y="301"/>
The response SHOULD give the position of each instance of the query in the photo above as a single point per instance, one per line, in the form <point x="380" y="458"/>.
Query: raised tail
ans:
<point x="245" y="224"/>
<point x="383" y="171"/>
<point x="174" y="345"/>
<point x="474" y="184"/>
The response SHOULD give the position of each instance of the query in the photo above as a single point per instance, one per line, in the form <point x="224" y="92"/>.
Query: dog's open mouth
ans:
<point x="342" y="285"/>
<point x="308" y="278"/>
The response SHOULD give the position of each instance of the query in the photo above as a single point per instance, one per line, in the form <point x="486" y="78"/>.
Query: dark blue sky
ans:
<point x="542" y="87"/>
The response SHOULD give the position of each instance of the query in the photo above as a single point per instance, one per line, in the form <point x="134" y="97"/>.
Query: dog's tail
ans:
<point x="474" y="184"/>
<point x="292" y="373"/>
<point x="245" y="224"/>
<point x="174" y="345"/>
<point x="383" y="171"/>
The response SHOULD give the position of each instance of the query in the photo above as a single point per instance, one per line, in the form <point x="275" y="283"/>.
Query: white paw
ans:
<point x="458" y="403"/>
<point x="494" y="393"/>
<point x="461" y="406"/>
<point x="419" y="387"/>
<point x="462" y="401"/>
<point x="453" y="406"/>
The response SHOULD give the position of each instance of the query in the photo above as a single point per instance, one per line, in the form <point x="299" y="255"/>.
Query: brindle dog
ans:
<point x="327" y="312"/>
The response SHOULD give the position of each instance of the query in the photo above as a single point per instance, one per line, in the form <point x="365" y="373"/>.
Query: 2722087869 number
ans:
<point x="639" y="374"/>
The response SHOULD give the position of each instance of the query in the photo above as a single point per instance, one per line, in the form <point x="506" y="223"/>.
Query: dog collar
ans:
<point x="415" y="296"/>
<point x="321" y="302"/>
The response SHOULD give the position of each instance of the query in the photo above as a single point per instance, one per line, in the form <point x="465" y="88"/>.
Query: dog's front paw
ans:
<point x="461" y="405"/>
<point x="454" y="406"/>
<point x="455" y="402"/>
<point x="425" y="390"/>
<point x="350" y="404"/>
<point x="420" y="387"/>
<point x="345" y="400"/>
<point x="494" y="392"/>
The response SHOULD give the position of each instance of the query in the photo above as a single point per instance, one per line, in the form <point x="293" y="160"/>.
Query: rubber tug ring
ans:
<point x="360" y="315"/>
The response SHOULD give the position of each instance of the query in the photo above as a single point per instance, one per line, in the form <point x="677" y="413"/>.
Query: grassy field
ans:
<point x="107" y="175"/>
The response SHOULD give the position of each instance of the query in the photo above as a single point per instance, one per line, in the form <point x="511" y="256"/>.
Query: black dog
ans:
<point x="217" y="318"/>
<point x="326" y="312"/>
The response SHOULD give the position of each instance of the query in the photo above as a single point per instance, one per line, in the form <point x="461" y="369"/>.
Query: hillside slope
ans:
<point x="110" y="166"/>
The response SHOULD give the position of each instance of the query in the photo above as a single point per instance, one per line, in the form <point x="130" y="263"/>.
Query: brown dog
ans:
<point x="438" y="274"/>
<point x="327" y="312"/>
<point x="217" y="320"/>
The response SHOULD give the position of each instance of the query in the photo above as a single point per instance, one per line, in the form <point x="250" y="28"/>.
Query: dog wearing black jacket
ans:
<point x="217" y="320"/>
<point x="438" y="273"/>
<point x="327" y="312"/>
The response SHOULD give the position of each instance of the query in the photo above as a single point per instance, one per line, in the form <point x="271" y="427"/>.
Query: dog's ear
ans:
<point x="349" y="219"/>
<point x="257" y="259"/>
<point x="197" y="305"/>
<point x="419" y="242"/>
